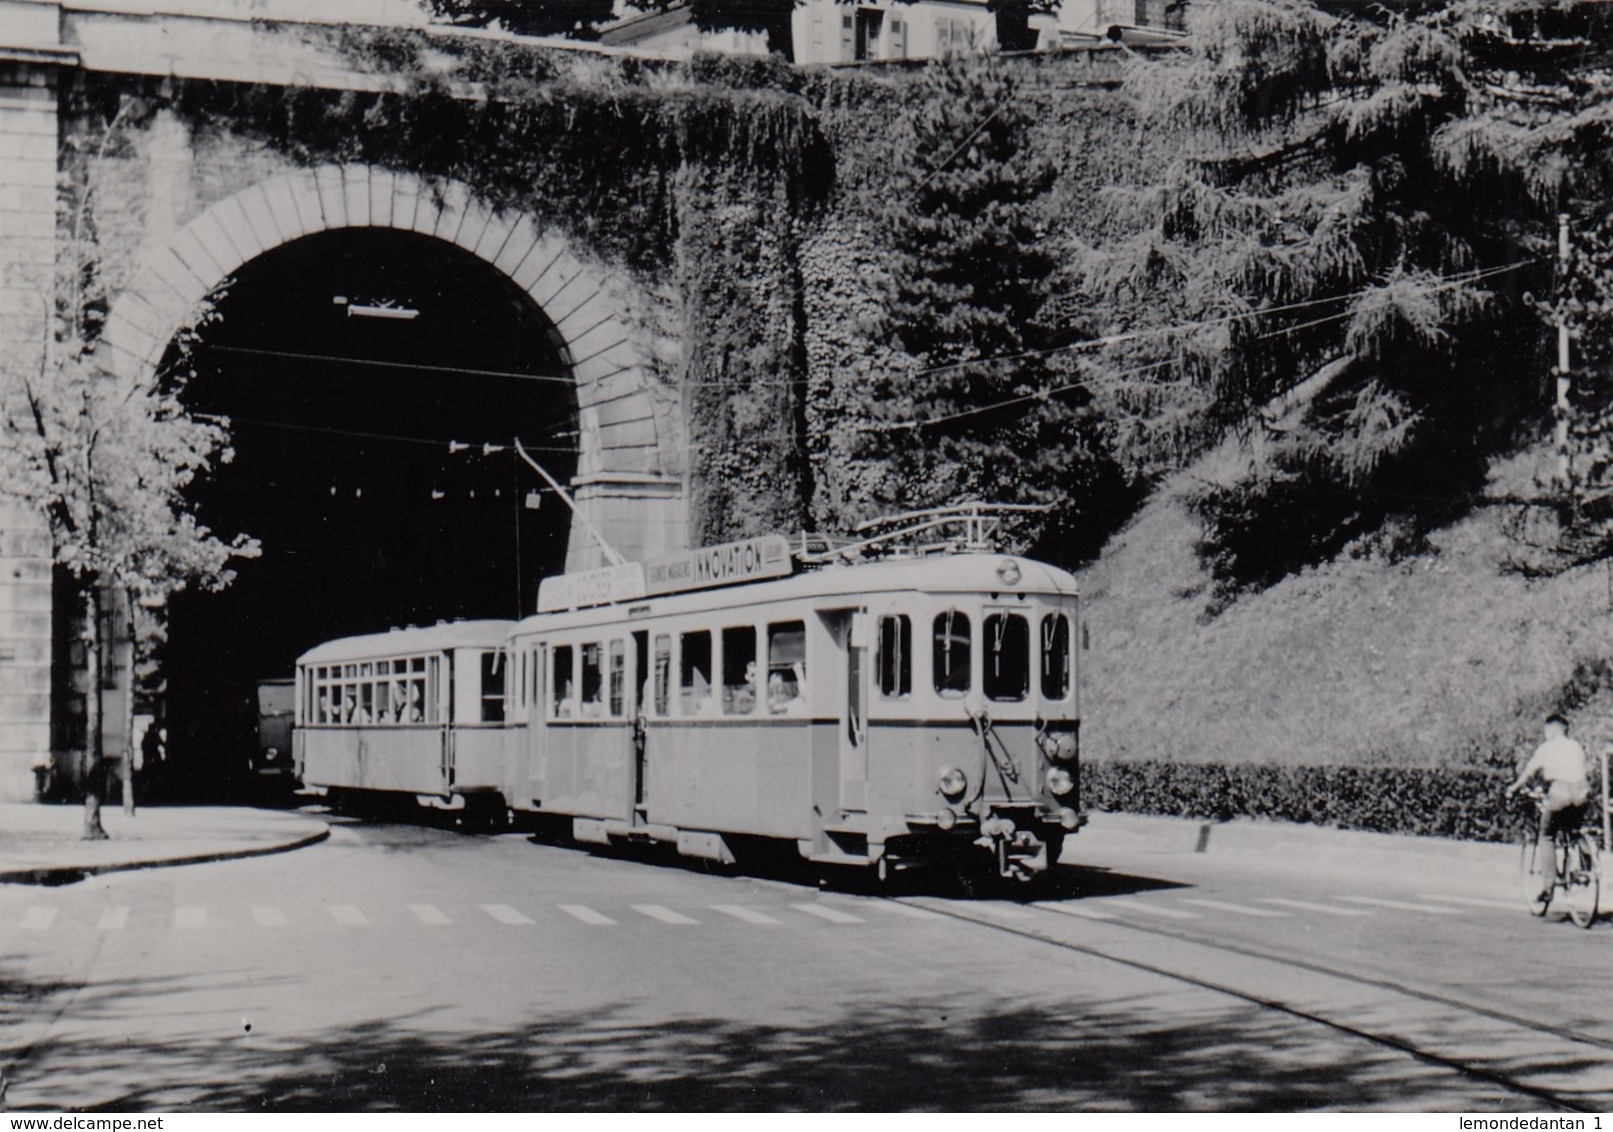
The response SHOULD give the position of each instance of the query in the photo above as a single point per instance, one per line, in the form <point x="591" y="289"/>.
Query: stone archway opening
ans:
<point x="374" y="379"/>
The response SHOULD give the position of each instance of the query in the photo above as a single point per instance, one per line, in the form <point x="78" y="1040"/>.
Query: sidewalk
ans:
<point x="1302" y="846"/>
<point x="41" y="844"/>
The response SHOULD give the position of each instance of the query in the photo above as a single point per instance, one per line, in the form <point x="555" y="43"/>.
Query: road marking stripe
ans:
<point x="347" y="915"/>
<point x="908" y="910"/>
<point x="1235" y="909"/>
<point x="1151" y="910"/>
<point x="1003" y="911"/>
<point x="586" y="914"/>
<point x="504" y="914"/>
<point x="824" y="912"/>
<point x="189" y="916"/>
<point x="1401" y="905"/>
<point x="1307" y="906"/>
<point x="269" y="917"/>
<point x="740" y="912"/>
<point x="429" y="914"/>
<point x="1504" y="905"/>
<point x="38" y="918"/>
<point x="665" y="915"/>
<point x="114" y="919"/>
<point x="1077" y="910"/>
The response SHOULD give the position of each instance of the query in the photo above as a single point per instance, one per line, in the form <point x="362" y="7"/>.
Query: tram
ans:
<point x="903" y="699"/>
<point x="412" y="714"/>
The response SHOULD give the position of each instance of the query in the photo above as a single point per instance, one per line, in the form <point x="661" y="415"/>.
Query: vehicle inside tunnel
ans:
<point x="374" y="383"/>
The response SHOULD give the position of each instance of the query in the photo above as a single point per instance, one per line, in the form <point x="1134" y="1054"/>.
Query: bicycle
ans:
<point x="1576" y="869"/>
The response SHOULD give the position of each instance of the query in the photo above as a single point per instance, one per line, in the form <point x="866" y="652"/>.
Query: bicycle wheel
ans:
<point x="1582" y="880"/>
<point x="1535" y="869"/>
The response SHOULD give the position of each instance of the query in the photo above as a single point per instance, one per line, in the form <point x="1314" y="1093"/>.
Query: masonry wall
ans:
<point x="28" y="137"/>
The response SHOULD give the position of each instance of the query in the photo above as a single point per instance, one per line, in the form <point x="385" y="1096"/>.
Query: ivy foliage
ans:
<point x="952" y="399"/>
<point x="1335" y="261"/>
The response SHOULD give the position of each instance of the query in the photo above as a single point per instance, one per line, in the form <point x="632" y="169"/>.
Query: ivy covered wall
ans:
<point x="748" y="204"/>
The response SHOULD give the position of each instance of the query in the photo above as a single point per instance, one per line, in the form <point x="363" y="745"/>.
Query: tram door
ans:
<point x="853" y="636"/>
<point x="637" y="709"/>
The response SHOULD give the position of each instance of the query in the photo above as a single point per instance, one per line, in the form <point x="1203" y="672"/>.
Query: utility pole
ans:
<point x="1565" y="470"/>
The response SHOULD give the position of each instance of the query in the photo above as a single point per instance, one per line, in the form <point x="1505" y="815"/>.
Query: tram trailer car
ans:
<point x="879" y="715"/>
<point x="410" y="714"/>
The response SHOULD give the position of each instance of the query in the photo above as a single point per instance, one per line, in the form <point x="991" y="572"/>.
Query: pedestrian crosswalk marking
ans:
<point x="114" y="919"/>
<point x="1152" y="910"/>
<point x="347" y="915"/>
<point x="38" y="918"/>
<point x="504" y="914"/>
<point x="665" y="915"/>
<point x="1308" y="906"/>
<point x="429" y="914"/>
<point x="190" y="917"/>
<point x="1235" y="909"/>
<point x="740" y="912"/>
<point x="1401" y="905"/>
<point x="586" y="914"/>
<point x="269" y="917"/>
<point x="1477" y="902"/>
<point x="1070" y="909"/>
<point x="824" y="912"/>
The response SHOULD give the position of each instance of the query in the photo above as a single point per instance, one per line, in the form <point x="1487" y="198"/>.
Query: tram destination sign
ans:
<point x="591" y="587"/>
<point x="748" y="560"/>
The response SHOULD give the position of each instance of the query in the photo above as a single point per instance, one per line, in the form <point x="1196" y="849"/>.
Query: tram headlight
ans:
<point x="270" y="754"/>
<point x="952" y="782"/>
<point x="1059" y="780"/>
<point x="1008" y="572"/>
<point x="945" y="820"/>
<point x="1058" y="747"/>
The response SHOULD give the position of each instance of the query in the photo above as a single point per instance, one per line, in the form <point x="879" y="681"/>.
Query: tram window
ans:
<point x="1055" y="656"/>
<point x="563" y="701"/>
<point x="593" y="680"/>
<point x="493" y="686"/>
<point x="895" y="659"/>
<point x="1006" y="667"/>
<point x="663" y="674"/>
<point x="366" y="701"/>
<point x="951" y="654"/>
<point x="694" y="685"/>
<point x="786" y="668"/>
<point x="618" y="677"/>
<point x="739" y="670"/>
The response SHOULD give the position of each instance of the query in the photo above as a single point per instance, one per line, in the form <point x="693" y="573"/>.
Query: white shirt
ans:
<point x="1558" y="760"/>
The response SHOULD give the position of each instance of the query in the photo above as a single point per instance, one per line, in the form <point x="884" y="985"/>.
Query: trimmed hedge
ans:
<point x="1428" y="801"/>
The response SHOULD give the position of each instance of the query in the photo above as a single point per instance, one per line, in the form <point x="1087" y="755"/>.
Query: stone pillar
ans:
<point x="642" y="516"/>
<point x="29" y="56"/>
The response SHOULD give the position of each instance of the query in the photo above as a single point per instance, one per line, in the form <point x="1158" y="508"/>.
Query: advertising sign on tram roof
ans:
<point x="747" y="560"/>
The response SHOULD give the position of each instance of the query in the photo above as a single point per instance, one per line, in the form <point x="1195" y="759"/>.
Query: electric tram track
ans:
<point x="1556" y="1098"/>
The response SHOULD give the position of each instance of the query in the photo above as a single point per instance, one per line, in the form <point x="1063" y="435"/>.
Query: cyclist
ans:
<point x="1563" y="767"/>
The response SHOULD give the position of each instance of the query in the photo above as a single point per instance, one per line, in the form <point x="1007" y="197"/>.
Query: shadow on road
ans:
<point x="951" y="1053"/>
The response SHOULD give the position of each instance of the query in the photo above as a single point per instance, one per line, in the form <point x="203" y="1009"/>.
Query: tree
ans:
<point x="1336" y="262"/>
<point x="106" y="459"/>
<point x="972" y="414"/>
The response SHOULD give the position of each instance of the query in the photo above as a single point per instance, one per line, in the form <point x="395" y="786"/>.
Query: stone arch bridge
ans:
<point x="179" y="214"/>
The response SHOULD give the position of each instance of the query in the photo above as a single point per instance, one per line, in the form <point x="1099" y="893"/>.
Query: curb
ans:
<point x="53" y="875"/>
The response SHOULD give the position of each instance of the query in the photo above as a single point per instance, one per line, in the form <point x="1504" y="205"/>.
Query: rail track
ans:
<point x="1560" y="1066"/>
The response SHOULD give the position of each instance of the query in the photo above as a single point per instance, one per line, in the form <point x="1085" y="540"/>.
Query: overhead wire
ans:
<point x="1277" y="332"/>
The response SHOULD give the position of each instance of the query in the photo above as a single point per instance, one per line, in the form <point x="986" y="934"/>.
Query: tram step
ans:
<point x="847" y="841"/>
